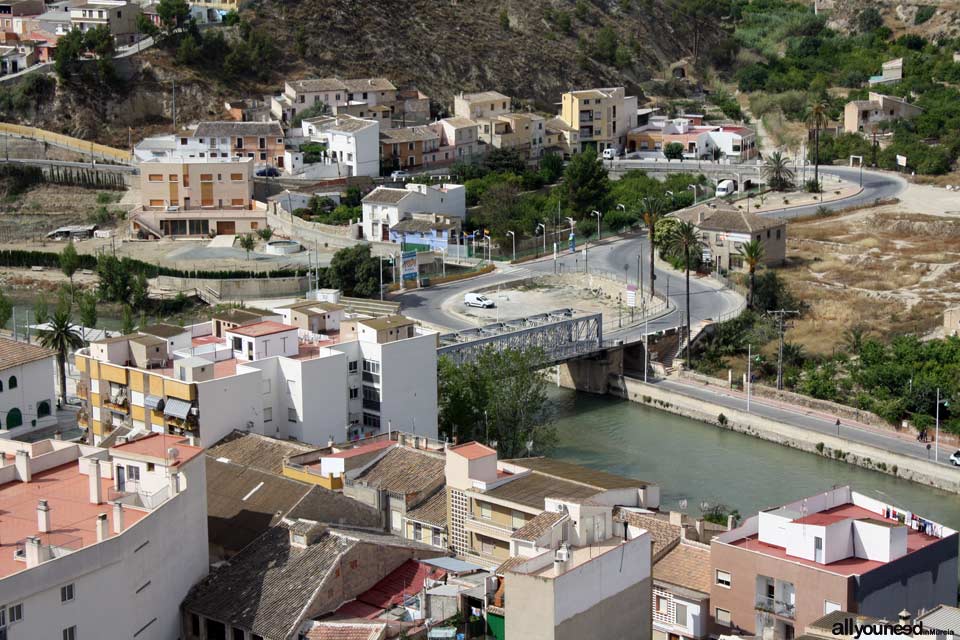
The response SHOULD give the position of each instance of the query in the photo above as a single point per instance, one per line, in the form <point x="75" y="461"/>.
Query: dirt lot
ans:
<point x="889" y="269"/>
<point x="31" y="215"/>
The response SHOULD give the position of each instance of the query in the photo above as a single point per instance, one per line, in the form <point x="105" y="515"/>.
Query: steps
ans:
<point x="366" y="306"/>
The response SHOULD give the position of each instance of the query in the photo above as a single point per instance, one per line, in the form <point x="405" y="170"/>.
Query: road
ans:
<point x="99" y="166"/>
<point x="807" y="419"/>
<point x="707" y="299"/>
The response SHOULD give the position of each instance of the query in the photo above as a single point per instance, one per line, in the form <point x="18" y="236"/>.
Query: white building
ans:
<point x="352" y="144"/>
<point x="384" y="206"/>
<point x="299" y="95"/>
<point x="100" y="543"/>
<point x="27" y="393"/>
<point x="263" y="376"/>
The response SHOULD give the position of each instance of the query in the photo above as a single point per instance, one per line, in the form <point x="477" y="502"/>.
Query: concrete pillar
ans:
<point x="117" y="517"/>
<point x="23" y="465"/>
<point x="174" y="486"/>
<point x="102" y="531"/>
<point x="96" y="487"/>
<point x="43" y="517"/>
<point x="36" y="552"/>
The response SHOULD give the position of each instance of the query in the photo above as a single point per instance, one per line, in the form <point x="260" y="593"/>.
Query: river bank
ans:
<point x="820" y="444"/>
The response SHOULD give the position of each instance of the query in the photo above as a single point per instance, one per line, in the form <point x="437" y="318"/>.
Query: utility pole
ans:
<point x="174" y="107"/>
<point x="781" y="327"/>
<point x="749" y="373"/>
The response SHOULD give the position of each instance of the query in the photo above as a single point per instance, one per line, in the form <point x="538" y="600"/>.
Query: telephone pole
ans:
<point x="781" y="327"/>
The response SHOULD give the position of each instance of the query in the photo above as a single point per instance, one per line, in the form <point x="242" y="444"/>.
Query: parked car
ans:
<point x="399" y="175"/>
<point x="268" y="172"/>
<point x="610" y="154"/>
<point x="477" y="300"/>
<point x="955" y="458"/>
<point x="726" y="188"/>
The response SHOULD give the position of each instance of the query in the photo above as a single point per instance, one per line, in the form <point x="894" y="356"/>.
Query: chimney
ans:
<point x="192" y="441"/>
<point x="117" y="517"/>
<point x="174" y="486"/>
<point x="701" y="532"/>
<point x="676" y="518"/>
<point x="683" y="533"/>
<point x="401" y="439"/>
<point x="36" y="552"/>
<point x="731" y="522"/>
<point x="23" y="465"/>
<point x="330" y="441"/>
<point x="904" y="617"/>
<point x="43" y="517"/>
<point x="96" y="487"/>
<point x="102" y="531"/>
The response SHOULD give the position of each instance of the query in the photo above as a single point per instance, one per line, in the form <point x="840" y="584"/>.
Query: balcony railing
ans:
<point x="487" y="527"/>
<point x="777" y="607"/>
<point x="371" y="377"/>
<point x="133" y="495"/>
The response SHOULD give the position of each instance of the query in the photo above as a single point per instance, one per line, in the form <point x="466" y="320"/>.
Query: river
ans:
<point x="697" y="462"/>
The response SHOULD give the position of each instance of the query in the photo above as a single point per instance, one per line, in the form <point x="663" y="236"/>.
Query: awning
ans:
<point x="176" y="408"/>
<point x="153" y="402"/>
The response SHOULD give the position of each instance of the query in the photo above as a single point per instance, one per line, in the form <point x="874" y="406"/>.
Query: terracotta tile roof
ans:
<point x="407" y="134"/>
<point x="257" y="451"/>
<point x="662" y="533"/>
<point x="472" y="450"/>
<point x="509" y="564"/>
<point x="13" y="354"/>
<point x="726" y="218"/>
<point x="313" y="85"/>
<point x="538" y="526"/>
<point x="348" y="631"/>
<point x="432" y="511"/>
<point x="157" y="446"/>
<point x="404" y="471"/>
<point x="686" y="565"/>
<point x="355" y="85"/>
<point x="227" y="129"/>
<point x="385" y="195"/>
<point x="263" y="328"/>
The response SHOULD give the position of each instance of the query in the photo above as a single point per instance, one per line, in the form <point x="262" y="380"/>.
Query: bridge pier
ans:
<point x="591" y="374"/>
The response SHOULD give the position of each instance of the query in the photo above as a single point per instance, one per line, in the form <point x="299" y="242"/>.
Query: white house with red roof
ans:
<point x="101" y="543"/>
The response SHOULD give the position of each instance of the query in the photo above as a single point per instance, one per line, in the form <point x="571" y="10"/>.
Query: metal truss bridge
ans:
<point x="562" y="335"/>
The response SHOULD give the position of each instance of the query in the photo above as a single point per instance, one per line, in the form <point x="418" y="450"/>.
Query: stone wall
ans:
<point x="240" y="288"/>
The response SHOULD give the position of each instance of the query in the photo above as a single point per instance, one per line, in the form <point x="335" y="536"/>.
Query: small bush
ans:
<point x="812" y="186"/>
<point x="924" y="13"/>
<point x="722" y="420"/>
<point x="819" y="447"/>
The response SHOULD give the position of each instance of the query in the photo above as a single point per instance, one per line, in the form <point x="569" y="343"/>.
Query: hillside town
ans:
<point x="672" y="353"/>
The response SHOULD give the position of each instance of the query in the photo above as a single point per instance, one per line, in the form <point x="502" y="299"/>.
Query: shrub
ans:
<point x="924" y="13"/>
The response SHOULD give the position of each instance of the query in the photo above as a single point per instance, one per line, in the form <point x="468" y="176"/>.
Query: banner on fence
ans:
<point x="409" y="264"/>
<point x="631" y="295"/>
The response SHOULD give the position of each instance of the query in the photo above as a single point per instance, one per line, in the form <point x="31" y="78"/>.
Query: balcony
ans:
<point x="133" y="495"/>
<point x="371" y="377"/>
<point x="776" y="607"/>
<point x="487" y="527"/>
<point x="372" y="405"/>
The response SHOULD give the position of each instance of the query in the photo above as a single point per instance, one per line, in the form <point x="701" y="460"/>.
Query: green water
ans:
<point x="698" y="463"/>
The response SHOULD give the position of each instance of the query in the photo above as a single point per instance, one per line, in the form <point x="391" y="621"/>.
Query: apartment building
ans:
<point x="681" y="591"/>
<point x="119" y="16"/>
<point x="266" y="377"/>
<point x="486" y="104"/>
<point x="459" y="138"/>
<point x="408" y="147"/>
<point x="602" y="117"/>
<point x="27" y="393"/>
<point x="724" y="230"/>
<point x="299" y="95"/>
<point x="523" y="132"/>
<point x="351" y="144"/>
<point x="838" y="550"/>
<point x="866" y="116"/>
<point x="261" y="141"/>
<point x="85" y="525"/>
<point x="384" y="207"/>
<point x="194" y="196"/>
<point x="489" y="500"/>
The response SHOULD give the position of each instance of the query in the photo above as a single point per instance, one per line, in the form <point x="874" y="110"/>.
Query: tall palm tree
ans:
<point x="654" y="208"/>
<point x="777" y="172"/>
<point x="684" y="239"/>
<point x="752" y="253"/>
<point x="818" y="116"/>
<point x="62" y="336"/>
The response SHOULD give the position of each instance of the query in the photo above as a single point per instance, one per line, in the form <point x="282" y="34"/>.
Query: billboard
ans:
<point x="408" y="265"/>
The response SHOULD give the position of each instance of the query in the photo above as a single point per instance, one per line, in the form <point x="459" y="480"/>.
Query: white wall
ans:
<point x="35" y="383"/>
<point x="143" y="573"/>
<point x="408" y="401"/>
<point x="319" y="394"/>
<point x="229" y="403"/>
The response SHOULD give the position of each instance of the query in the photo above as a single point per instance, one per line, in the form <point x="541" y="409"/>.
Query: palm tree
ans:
<point x="248" y="243"/>
<point x="854" y="336"/>
<point x="777" y="172"/>
<point x="62" y="336"/>
<point x="684" y="239"/>
<point x="818" y="117"/>
<point x="752" y="253"/>
<point x="654" y="208"/>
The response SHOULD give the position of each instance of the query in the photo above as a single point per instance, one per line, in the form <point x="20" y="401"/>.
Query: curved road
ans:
<point x="707" y="299"/>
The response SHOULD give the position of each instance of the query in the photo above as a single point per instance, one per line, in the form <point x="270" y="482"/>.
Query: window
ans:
<point x="151" y="466"/>
<point x="206" y="177"/>
<point x="194" y="624"/>
<point x="371" y="420"/>
<point x="236" y="177"/>
<point x="238" y="634"/>
<point x="157" y="203"/>
<point x="43" y="408"/>
<point x="66" y="593"/>
<point x="15" y="613"/>
<point x="663" y="605"/>
<point x="291" y="415"/>
<point x="395" y="520"/>
<point x="237" y="344"/>
<point x="486" y="512"/>
<point x="723" y="578"/>
<point x="518" y="520"/>
<point x="239" y="143"/>
<point x="12" y="382"/>
<point x="417" y="531"/>
<point x="828" y="607"/>
<point x="487" y="547"/>
<point x="266" y="385"/>
<point x="173" y="178"/>
<point x="70" y="633"/>
<point x="268" y="414"/>
<point x="778" y="234"/>
<point x="354" y="393"/>
<point x="437" y="542"/>
<point x="680" y="614"/>
<point x="155" y="177"/>
<point x="722" y="616"/>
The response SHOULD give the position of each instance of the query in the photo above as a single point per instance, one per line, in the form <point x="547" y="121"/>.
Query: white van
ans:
<point x="610" y="154"/>
<point x="477" y="300"/>
<point x="725" y="188"/>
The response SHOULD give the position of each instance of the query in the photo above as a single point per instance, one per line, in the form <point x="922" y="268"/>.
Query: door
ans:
<point x="818" y="549"/>
<point x="226" y="227"/>
<point x="186" y="203"/>
<point x="121" y="479"/>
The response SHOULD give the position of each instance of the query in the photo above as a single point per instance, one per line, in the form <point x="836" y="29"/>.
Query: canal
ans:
<point x="697" y="462"/>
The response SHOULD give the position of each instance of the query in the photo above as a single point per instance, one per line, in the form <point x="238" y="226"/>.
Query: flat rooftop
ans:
<point x="578" y="556"/>
<point x="916" y="540"/>
<point x="73" y="518"/>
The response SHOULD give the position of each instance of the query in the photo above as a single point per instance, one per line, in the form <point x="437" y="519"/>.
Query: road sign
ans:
<point x="901" y="161"/>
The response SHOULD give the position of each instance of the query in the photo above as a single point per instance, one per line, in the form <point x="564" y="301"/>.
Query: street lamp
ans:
<point x="598" y="215"/>
<point x="694" y="187"/>
<point x="572" y="223"/>
<point x="540" y="225"/>
<point x="513" y="240"/>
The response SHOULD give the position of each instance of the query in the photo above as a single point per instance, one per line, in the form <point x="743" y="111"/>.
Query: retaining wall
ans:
<point x="240" y="288"/>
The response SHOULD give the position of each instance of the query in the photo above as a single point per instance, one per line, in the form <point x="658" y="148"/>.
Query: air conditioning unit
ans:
<point x="562" y="554"/>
